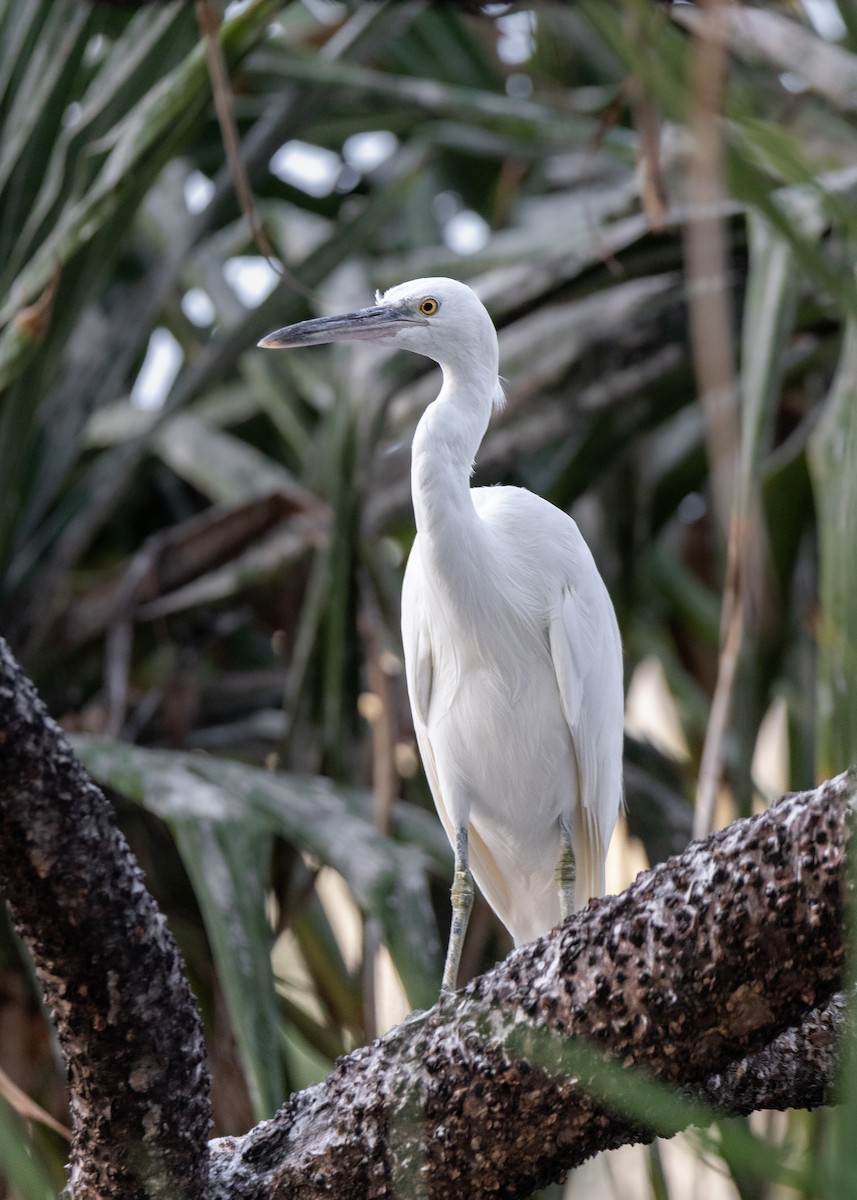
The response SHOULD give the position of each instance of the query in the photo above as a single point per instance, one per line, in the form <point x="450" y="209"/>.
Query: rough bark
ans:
<point x="689" y="974"/>
<point x="112" y="976"/>
<point x="796" y="1070"/>
<point x="716" y="972"/>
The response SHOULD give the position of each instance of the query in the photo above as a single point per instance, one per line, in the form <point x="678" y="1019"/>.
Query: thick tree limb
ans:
<point x="796" y="1070"/>
<point x="113" y="978"/>
<point x="690" y="973"/>
<point x="717" y="972"/>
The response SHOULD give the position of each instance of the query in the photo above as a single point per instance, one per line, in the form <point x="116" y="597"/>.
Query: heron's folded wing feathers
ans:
<point x="420" y="660"/>
<point x="584" y="652"/>
<point x="423" y="674"/>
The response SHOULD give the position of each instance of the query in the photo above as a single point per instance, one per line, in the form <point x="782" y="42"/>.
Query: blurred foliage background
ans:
<point x="201" y="544"/>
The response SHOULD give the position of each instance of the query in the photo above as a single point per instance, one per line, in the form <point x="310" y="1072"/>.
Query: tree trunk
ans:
<point x="112" y="976"/>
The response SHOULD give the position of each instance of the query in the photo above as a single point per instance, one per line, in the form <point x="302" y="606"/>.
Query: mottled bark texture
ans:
<point x="112" y="976"/>
<point x="697" y="973"/>
<point x="796" y="1069"/>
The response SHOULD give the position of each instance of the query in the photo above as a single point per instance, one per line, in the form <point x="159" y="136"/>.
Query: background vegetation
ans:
<point x="202" y="573"/>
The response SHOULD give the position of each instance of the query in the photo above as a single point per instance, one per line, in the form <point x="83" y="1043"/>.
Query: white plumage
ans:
<point x="515" y="688"/>
<point x="512" y="650"/>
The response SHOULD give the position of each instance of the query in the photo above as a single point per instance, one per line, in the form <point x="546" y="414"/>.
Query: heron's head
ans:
<point x="440" y="318"/>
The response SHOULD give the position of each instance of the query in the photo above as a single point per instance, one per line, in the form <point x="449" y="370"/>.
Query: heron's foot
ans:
<point x="565" y="875"/>
<point x="461" y="893"/>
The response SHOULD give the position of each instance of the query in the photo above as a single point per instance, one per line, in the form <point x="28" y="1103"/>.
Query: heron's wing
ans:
<point x="420" y="673"/>
<point x="587" y="659"/>
<point x="483" y="864"/>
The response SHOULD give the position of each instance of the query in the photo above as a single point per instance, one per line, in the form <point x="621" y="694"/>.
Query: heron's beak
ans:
<point x="364" y="325"/>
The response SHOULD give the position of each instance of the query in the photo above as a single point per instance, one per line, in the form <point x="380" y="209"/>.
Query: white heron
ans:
<point x="512" y="651"/>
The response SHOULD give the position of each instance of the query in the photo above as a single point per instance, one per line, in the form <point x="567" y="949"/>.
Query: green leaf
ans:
<point x="20" y="1168"/>
<point x="225" y="860"/>
<point x="768" y="315"/>
<point x="225" y="850"/>
<point x="140" y="143"/>
<point x="833" y="462"/>
<point x="224" y="468"/>
<point x="388" y="879"/>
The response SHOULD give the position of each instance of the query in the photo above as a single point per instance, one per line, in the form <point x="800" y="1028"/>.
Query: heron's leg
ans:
<point x="565" y="872"/>
<point x="462" y="893"/>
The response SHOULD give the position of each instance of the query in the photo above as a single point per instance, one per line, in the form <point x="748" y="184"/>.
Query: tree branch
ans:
<point x="795" y="1070"/>
<point x="695" y="973"/>
<point x="716" y="972"/>
<point x="115" y="983"/>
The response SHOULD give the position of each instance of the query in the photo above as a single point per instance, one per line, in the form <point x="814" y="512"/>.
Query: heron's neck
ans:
<point x="445" y="445"/>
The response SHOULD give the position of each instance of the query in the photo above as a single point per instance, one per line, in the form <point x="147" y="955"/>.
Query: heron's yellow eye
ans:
<point x="429" y="306"/>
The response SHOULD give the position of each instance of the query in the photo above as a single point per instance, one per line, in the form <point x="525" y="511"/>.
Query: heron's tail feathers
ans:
<point x="589" y="856"/>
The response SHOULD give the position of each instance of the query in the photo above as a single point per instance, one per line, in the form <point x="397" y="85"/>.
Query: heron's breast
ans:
<point x="501" y="736"/>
